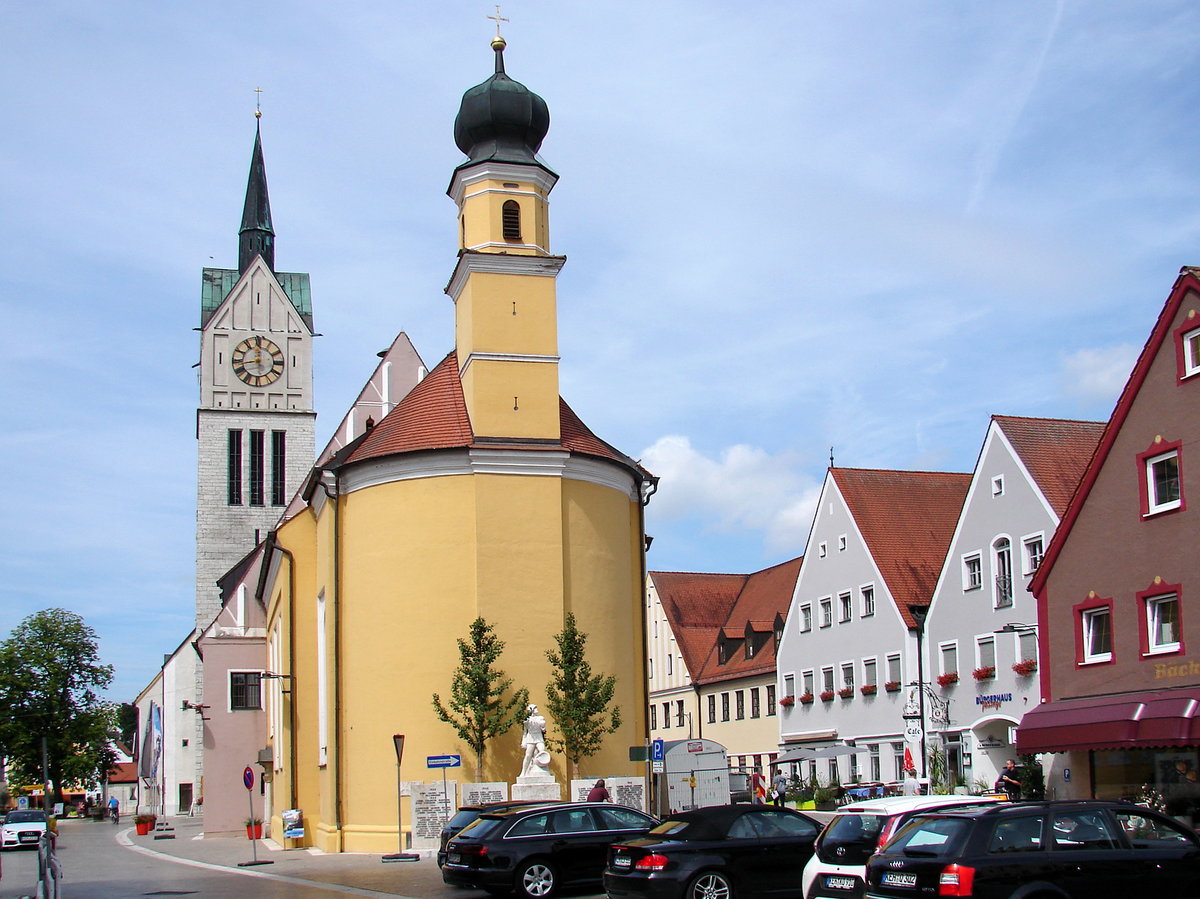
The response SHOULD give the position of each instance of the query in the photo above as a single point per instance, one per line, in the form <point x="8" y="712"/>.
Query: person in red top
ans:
<point x="599" y="793"/>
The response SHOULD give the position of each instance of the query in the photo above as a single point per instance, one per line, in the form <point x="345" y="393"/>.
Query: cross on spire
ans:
<point x="497" y="18"/>
<point x="258" y="103"/>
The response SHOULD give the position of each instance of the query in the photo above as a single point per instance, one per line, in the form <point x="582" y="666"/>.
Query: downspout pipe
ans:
<point x="334" y="497"/>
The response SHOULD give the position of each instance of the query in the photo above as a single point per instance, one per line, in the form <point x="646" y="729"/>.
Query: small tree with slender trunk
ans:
<point x="478" y="711"/>
<point x="579" y="702"/>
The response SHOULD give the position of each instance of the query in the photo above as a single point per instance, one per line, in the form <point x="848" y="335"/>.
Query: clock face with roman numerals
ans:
<point x="257" y="361"/>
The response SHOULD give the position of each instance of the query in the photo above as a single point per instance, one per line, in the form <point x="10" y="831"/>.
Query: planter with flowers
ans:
<point x="892" y="686"/>
<point x="143" y="823"/>
<point x="788" y="701"/>
<point x="987" y="672"/>
<point x="846" y="692"/>
<point x="868" y="689"/>
<point x="254" y="828"/>
<point x="949" y="679"/>
<point x="806" y="698"/>
<point x="826" y="696"/>
<point x="1025" y="667"/>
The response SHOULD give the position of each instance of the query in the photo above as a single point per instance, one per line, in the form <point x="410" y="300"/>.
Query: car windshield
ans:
<point x="933" y="837"/>
<point x="860" y="828"/>
<point x="480" y="827"/>
<point x="25" y="817"/>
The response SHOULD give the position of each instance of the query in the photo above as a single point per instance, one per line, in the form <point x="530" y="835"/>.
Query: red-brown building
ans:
<point x="1120" y="646"/>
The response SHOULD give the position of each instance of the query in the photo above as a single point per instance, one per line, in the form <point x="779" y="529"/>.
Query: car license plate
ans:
<point x="622" y="861"/>
<point x="30" y="837"/>
<point x="453" y="858"/>
<point x="898" y="879"/>
<point x="839" y="883"/>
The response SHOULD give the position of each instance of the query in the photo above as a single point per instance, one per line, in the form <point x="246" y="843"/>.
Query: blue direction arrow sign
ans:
<point x="443" y="761"/>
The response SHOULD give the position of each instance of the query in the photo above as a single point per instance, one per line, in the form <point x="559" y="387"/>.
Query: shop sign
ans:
<point x="992" y="700"/>
<point x="1162" y="670"/>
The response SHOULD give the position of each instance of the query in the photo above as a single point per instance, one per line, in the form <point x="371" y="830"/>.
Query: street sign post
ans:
<point x="443" y="761"/>
<point x="248" y="783"/>
<point x="400" y="855"/>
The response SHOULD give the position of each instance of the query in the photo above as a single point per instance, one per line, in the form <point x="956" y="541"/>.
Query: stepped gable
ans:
<point x="907" y="519"/>
<point x="1055" y="451"/>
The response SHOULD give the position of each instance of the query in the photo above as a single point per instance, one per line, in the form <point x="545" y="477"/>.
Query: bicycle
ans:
<point x="115" y="814"/>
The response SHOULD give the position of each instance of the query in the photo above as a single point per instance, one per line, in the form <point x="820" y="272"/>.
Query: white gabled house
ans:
<point x="980" y="633"/>
<point x="847" y="661"/>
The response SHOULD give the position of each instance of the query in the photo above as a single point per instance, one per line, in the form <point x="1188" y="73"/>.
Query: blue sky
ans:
<point x="789" y="226"/>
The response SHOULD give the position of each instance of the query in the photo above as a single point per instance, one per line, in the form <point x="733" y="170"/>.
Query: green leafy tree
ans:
<point x="478" y="710"/>
<point x="579" y="702"/>
<point x="50" y="675"/>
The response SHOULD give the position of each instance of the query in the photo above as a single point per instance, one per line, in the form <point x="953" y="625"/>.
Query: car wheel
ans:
<point x="536" y="879"/>
<point x="710" y="885"/>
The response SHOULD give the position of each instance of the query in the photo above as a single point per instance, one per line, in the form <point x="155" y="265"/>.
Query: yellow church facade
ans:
<point x="481" y="494"/>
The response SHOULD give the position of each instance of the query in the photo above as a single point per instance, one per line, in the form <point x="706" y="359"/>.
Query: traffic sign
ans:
<point x="248" y="778"/>
<point x="443" y="761"/>
<point x="657" y="767"/>
<point x="657" y="751"/>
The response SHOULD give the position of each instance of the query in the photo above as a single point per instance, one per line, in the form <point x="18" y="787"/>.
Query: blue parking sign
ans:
<point x="657" y="751"/>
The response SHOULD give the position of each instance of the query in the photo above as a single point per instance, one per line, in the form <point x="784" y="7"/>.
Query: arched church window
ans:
<point x="510" y="214"/>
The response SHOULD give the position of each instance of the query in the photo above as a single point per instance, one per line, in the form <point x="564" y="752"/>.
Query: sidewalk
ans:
<point x="354" y="873"/>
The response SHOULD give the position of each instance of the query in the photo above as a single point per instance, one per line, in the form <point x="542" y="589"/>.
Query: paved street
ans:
<point x="102" y="861"/>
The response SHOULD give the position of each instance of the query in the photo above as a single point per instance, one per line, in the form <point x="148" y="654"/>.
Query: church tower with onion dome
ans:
<point x="481" y="495"/>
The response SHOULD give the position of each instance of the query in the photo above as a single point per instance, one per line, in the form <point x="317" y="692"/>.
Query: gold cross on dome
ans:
<point x="258" y="103"/>
<point x="497" y="18"/>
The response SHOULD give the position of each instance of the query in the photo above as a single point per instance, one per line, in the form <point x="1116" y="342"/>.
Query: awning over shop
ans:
<point x="1147" y="719"/>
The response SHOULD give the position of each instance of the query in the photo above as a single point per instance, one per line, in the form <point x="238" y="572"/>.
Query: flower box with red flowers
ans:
<point x="806" y="698"/>
<point x="947" y="679"/>
<point x="987" y="672"/>
<point x="788" y="701"/>
<point x="868" y="689"/>
<point x="827" y="696"/>
<point x="846" y="692"/>
<point x="1025" y="667"/>
<point x="892" y="686"/>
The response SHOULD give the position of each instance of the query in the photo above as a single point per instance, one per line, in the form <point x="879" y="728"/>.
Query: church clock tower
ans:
<point x="255" y="423"/>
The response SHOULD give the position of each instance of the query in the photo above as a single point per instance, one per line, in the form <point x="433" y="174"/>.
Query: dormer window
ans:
<point x="510" y="215"/>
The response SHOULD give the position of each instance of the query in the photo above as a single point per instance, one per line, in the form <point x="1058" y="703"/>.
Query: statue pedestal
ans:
<point x="537" y="787"/>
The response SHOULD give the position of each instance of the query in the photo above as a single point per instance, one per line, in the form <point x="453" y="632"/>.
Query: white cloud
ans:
<point x="743" y="489"/>
<point x="1094" y="375"/>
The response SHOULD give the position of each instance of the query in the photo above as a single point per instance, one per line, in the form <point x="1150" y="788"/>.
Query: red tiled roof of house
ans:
<point x="697" y="607"/>
<point x="1055" y="451"/>
<point x="907" y="519"/>
<point x="123" y="773"/>
<point x="764" y="595"/>
<point x="433" y="416"/>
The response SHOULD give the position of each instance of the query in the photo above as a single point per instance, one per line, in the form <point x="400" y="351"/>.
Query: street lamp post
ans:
<point x="919" y="614"/>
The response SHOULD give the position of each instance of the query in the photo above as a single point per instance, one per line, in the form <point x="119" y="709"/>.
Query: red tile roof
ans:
<point x="697" y="607"/>
<point x="907" y="519"/>
<point x="1055" y="451"/>
<point x="433" y="416"/>
<point x="123" y="773"/>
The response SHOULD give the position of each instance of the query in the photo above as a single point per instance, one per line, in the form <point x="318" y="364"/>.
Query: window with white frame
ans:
<point x="679" y="712"/>
<point x="985" y="651"/>
<point x="998" y="485"/>
<point x="1097" y="634"/>
<point x="1191" y="353"/>
<point x="666" y="714"/>
<point x="826" y="611"/>
<point x="245" y="690"/>
<point x="650" y="668"/>
<point x="972" y="572"/>
<point x="1002" y="560"/>
<point x="893" y="668"/>
<point x="1034" y="550"/>
<point x="739" y="705"/>
<point x="724" y="706"/>
<point x="848" y="675"/>
<point x="845" y="607"/>
<point x="1162" y="623"/>
<point x="1027" y="646"/>
<point x="654" y="715"/>
<point x="948" y="653"/>
<point x="806" y="679"/>
<point x="1162" y="482"/>
<point x="822" y="550"/>
<point x="670" y="664"/>
<point x="855" y="773"/>
<point x="770" y="700"/>
<point x="874" y="771"/>
<point x="868" y="600"/>
<point x="712" y="708"/>
<point x="898" y="759"/>
<point x="789" y="685"/>
<point x="755" y="703"/>
<point x="870" y="672"/>
<point x="806" y="617"/>
<point x="842" y="543"/>
<point x="827" y="680"/>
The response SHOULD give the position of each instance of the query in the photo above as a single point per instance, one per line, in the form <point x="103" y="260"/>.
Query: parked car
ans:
<point x="839" y="859"/>
<point x="468" y="813"/>
<point x="1083" y="849"/>
<point x="536" y="850"/>
<point x="23" y="828"/>
<point x="714" y="853"/>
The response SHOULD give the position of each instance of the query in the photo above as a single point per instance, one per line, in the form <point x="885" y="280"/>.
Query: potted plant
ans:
<point x="892" y="686"/>
<point x="987" y="672"/>
<point x="825" y="798"/>
<point x="254" y="828"/>
<point x="143" y="822"/>
<point x="868" y="689"/>
<point x="788" y="701"/>
<point x="846" y="692"/>
<point x="1025" y="667"/>
<point x="947" y="679"/>
<point x="806" y="698"/>
<point x="826" y="696"/>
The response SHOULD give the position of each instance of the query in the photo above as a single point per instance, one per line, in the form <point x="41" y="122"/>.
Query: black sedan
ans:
<point x="468" y="813"/>
<point x="715" y="853"/>
<point x="536" y="850"/>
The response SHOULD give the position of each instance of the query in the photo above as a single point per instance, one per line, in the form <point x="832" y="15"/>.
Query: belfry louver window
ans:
<point x="510" y="215"/>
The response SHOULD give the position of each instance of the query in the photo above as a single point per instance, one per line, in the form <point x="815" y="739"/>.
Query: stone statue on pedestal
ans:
<point x="536" y="781"/>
